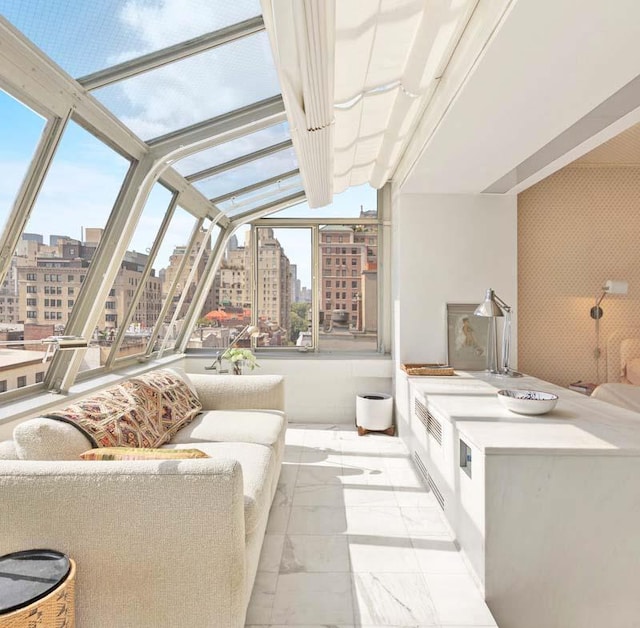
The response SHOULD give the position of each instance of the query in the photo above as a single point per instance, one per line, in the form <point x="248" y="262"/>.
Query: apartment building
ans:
<point x="349" y="259"/>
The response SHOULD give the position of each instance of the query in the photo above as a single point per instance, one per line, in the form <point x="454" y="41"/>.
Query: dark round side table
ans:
<point x="37" y="590"/>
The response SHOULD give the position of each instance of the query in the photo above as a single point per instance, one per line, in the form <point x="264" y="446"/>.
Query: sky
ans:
<point x="86" y="175"/>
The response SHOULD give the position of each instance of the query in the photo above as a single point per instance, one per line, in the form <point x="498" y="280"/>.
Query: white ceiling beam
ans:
<point x="254" y="186"/>
<point x="240" y="161"/>
<point x="265" y="210"/>
<point x="170" y="54"/>
<point x="224" y="128"/>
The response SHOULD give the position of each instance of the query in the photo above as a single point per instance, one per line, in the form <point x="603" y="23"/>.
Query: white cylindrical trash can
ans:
<point x="374" y="411"/>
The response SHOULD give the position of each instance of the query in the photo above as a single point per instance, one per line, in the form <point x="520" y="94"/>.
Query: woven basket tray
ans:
<point x="428" y="369"/>
<point x="55" y="610"/>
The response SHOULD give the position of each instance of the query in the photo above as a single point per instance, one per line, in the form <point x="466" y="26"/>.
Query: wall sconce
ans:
<point x="611" y="286"/>
<point x="493" y="307"/>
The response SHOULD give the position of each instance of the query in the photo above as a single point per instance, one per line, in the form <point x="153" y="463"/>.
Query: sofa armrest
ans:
<point x="156" y="543"/>
<point x="239" y="392"/>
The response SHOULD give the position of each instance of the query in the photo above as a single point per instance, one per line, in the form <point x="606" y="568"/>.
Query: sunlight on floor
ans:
<point x="354" y="539"/>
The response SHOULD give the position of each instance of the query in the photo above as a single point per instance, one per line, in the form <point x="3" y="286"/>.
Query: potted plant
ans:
<point x="240" y="357"/>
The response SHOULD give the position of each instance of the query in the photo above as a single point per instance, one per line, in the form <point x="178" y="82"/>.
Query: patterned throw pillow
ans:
<point x="137" y="453"/>
<point x="144" y="411"/>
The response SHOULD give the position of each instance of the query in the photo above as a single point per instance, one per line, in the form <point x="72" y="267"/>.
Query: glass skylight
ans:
<point x="248" y="174"/>
<point x="195" y="89"/>
<point x="232" y="150"/>
<point x="347" y="204"/>
<point x="83" y="37"/>
<point x="262" y="196"/>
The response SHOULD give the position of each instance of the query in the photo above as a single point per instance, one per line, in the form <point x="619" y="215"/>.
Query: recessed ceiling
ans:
<point x="622" y="150"/>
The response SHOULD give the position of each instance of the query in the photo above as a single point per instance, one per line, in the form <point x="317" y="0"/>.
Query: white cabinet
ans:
<point x="545" y="508"/>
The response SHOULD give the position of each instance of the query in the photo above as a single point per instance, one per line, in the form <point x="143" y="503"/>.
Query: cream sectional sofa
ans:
<point x="157" y="543"/>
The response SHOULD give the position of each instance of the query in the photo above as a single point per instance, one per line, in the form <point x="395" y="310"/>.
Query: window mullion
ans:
<point x="142" y="281"/>
<point x="28" y="193"/>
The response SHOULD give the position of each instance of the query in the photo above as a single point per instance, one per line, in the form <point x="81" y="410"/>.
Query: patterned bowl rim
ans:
<point x="507" y="394"/>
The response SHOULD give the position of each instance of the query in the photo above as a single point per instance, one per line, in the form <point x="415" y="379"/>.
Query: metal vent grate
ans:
<point x="431" y="424"/>
<point x="434" y="428"/>
<point x="428" y="479"/>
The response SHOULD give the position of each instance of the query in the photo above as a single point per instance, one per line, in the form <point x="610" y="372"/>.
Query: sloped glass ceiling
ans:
<point x="248" y="174"/>
<point x="352" y="203"/>
<point x="265" y="195"/>
<point x="83" y="36"/>
<point x="194" y="89"/>
<point x="228" y="151"/>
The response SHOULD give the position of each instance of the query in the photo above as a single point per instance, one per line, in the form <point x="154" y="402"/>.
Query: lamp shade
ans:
<point x="489" y="307"/>
<point x="616" y="286"/>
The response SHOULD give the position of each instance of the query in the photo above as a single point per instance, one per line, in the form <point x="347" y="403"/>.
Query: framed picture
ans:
<point x="466" y="337"/>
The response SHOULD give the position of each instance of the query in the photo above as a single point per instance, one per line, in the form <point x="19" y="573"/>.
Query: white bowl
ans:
<point x="527" y="401"/>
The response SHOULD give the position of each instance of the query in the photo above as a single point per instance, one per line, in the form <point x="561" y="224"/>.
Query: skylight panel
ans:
<point x="234" y="149"/>
<point x="248" y="174"/>
<point x="200" y="87"/>
<point x="355" y="202"/>
<point x="266" y="195"/>
<point x="83" y="37"/>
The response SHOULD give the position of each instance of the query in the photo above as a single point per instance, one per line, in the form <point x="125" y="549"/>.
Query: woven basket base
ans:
<point x="56" y="610"/>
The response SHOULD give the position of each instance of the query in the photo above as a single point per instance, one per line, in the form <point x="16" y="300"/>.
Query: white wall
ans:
<point x="448" y="249"/>
<point x="319" y="389"/>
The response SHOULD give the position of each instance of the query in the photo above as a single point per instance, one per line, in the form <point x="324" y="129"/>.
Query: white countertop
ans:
<point x="578" y="425"/>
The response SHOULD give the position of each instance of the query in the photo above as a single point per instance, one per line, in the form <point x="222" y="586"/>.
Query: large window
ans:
<point x="20" y="130"/>
<point x="60" y="240"/>
<point x="186" y="263"/>
<point x="120" y="331"/>
<point x="272" y="276"/>
<point x="283" y="279"/>
<point x="349" y="283"/>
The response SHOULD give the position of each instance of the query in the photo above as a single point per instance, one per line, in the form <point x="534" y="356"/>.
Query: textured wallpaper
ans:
<point x="576" y="229"/>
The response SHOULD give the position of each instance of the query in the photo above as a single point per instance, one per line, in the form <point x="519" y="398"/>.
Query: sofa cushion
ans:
<point x="263" y="427"/>
<point x="49" y="439"/>
<point x="8" y="450"/>
<point x="259" y="471"/>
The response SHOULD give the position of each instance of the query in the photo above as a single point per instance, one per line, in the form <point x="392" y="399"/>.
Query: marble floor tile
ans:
<point x="405" y="478"/>
<point x="307" y="553"/>
<point x="317" y="598"/>
<point x="369" y="496"/>
<point x="375" y="521"/>
<point x="271" y="553"/>
<point x="382" y="554"/>
<point x="438" y="556"/>
<point x="319" y="520"/>
<point x="321" y="457"/>
<point x="407" y="497"/>
<point x="355" y="539"/>
<point x="313" y="474"/>
<point x="286" y="483"/>
<point x="400" y="461"/>
<point x="319" y="495"/>
<point x="278" y="518"/>
<point x="397" y="599"/>
<point x="262" y="598"/>
<point x="457" y="600"/>
<point x="426" y="522"/>
<point x="365" y="461"/>
<point x="292" y="453"/>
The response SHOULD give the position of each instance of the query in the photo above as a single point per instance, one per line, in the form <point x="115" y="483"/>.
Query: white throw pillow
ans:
<point x="48" y="439"/>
